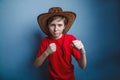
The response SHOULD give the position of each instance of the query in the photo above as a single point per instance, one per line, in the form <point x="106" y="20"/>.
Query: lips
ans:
<point x="55" y="33"/>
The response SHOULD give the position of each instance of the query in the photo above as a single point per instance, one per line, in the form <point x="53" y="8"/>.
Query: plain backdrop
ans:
<point x="97" y="26"/>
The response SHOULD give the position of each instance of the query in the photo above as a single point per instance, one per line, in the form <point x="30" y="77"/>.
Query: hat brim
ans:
<point x="44" y="17"/>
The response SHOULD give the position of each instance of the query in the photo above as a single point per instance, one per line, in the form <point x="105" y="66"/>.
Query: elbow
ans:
<point x="36" y="64"/>
<point x="83" y="66"/>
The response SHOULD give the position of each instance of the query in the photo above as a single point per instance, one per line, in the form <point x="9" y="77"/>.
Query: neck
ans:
<point x="57" y="37"/>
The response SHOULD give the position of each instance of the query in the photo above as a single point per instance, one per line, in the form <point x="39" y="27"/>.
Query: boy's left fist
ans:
<point x="77" y="44"/>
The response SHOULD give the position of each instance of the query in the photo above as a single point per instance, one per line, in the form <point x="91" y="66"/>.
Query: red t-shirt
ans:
<point x="59" y="62"/>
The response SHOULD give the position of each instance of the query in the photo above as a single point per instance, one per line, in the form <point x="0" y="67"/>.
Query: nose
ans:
<point x="56" y="28"/>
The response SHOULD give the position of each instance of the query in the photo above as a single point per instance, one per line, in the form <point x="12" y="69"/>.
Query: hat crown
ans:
<point x="55" y="10"/>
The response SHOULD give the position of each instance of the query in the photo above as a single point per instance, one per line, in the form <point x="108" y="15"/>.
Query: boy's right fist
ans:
<point x="51" y="48"/>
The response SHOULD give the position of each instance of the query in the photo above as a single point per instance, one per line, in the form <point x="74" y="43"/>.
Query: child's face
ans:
<point x="56" y="28"/>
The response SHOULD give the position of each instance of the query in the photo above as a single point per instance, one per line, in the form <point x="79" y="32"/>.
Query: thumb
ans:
<point x="72" y="45"/>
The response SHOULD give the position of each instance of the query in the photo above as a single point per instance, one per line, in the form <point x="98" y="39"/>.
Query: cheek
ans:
<point x="50" y="29"/>
<point x="63" y="28"/>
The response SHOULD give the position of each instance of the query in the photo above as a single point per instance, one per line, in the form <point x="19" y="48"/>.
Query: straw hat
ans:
<point x="42" y="18"/>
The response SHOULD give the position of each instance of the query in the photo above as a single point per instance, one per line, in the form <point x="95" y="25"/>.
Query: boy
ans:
<point x="59" y="46"/>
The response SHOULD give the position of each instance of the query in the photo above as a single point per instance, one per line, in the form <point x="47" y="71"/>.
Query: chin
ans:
<point x="56" y="36"/>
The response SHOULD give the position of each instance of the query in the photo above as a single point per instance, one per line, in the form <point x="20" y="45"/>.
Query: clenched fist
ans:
<point x="77" y="44"/>
<point x="51" y="48"/>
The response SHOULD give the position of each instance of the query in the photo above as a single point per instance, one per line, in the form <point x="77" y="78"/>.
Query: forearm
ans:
<point x="39" y="61"/>
<point x="82" y="62"/>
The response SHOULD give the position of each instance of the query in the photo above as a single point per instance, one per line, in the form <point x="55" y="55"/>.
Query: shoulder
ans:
<point x="70" y="36"/>
<point x="44" y="40"/>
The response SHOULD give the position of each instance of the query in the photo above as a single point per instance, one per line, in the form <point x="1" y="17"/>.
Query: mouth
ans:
<point x="55" y="33"/>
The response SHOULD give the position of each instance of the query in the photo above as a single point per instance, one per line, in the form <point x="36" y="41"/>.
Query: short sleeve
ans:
<point x="42" y="47"/>
<point x="75" y="52"/>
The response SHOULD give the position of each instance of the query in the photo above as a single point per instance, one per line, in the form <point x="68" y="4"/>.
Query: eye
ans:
<point x="60" y="25"/>
<point x="51" y="25"/>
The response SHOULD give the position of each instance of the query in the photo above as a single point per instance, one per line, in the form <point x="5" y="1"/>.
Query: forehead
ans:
<point x="58" y="20"/>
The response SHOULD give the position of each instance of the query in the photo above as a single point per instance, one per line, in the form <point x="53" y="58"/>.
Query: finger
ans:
<point x="71" y="45"/>
<point x="74" y="41"/>
<point x="52" y="44"/>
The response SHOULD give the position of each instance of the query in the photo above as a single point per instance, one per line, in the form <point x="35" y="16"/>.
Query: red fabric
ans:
<point x="60" y="67"/>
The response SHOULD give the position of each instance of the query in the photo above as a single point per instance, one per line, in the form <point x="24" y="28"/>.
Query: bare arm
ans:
<point x="82" y="62"/>
<point x="79" y="46"/>
<point x="39" y="61"/>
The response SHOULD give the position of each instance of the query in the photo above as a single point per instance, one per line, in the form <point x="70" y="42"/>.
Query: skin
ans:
<point x="56" y="28"/>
